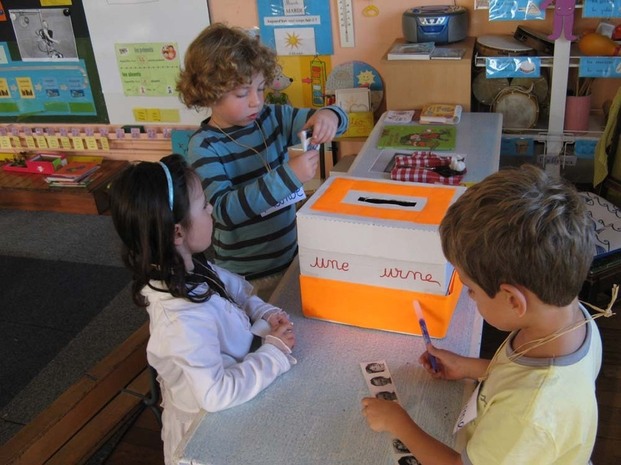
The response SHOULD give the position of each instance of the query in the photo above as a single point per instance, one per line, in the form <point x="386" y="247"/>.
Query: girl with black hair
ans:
<point x="202" y="318"/>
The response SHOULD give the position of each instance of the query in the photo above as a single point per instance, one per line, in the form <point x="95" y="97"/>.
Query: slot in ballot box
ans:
<point x="368" y="248"/>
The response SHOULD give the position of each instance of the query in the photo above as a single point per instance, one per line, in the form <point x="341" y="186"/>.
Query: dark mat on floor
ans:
<point x="43" y="305"/>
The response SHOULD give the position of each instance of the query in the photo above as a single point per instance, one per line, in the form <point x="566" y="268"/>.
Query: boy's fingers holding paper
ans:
<point x="305" y="166"/>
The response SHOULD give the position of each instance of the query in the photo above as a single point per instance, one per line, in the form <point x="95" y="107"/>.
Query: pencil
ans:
<point x="423" y="328"/>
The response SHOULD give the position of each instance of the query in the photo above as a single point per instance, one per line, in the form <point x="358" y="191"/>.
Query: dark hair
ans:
<point x="145" y="222"/>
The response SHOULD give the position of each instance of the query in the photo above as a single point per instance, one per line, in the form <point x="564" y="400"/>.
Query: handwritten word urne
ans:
<point x="398" y="273"/>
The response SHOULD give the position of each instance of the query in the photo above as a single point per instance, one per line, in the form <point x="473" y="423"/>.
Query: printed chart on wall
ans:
<point x="47" y="68"/>
<point x="139" y="62"/>
<point x="296" y="27"/>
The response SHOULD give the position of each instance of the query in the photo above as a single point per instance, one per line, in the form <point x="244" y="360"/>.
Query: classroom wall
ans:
<point x="375" y="34"/>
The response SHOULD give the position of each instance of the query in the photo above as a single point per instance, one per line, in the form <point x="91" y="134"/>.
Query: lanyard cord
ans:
<point x="265" y="164"/>
<point x="524" y="348"/>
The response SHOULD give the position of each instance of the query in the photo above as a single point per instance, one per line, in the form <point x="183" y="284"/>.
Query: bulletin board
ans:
<point x="139" y="46"/>
<point x="47" y="67"/>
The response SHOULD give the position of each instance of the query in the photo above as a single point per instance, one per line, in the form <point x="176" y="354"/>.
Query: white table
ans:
<point x="311" y="415"/>
<point x="478" y="138"/>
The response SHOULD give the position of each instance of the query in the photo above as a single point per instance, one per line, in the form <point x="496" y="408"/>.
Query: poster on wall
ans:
<point x="138" y="64"/>
<point x="44" y="34"/>
<point x="296" y="27"/>
<point x="301" y="82"/>
<point x="50" y="88"/>
<point x="148" y="69"/>
<point x="47" y="67"/>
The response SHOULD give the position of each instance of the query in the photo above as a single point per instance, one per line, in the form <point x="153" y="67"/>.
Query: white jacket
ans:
<point x="201" y="353"/>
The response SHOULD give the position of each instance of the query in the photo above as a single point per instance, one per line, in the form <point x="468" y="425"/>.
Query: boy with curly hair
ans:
<point x="240" y="152"/>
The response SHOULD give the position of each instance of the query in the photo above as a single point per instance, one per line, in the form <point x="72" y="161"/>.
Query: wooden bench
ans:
<point x="85" y="416"/>
<point x="29" y="191"/>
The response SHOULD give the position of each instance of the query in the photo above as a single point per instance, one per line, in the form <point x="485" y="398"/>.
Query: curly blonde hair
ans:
<point x="219" y="60"/>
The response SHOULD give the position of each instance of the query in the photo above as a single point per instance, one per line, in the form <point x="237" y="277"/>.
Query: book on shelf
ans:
<point x="83" y="183"/>
<point x="354" y="100"/>
<point x="411" y="51"/>
<point x="73" y="171"/>
<point x="417" y="137"/>
<point x="444" y="53"/>
<point x="401" y="116"/>
<point x="441" y="113"/>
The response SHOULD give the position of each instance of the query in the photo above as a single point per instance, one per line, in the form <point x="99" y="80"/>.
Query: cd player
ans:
<point x="441" y="24"/>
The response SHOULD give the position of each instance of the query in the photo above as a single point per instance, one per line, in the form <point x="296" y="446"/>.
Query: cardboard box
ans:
<point x="43" y="163"/>
<point x="367" y="248"/>
<point x="376" y="232"/>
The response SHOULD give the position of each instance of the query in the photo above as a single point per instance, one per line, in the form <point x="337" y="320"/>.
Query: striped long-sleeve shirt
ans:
<point x="233" y="165"/>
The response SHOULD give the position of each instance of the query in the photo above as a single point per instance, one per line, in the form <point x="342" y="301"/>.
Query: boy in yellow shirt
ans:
<point x="522" y="245"/>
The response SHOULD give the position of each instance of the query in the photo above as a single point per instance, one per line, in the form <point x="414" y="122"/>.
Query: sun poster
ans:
<point x="296" y="27"/>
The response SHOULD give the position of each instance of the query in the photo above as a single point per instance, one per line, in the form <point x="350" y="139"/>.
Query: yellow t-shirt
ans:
<point x="537" y="411"/>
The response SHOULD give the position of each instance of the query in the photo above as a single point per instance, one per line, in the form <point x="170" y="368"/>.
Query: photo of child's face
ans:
<point x="169" y="52"/>
<point x="386" y="395"/>
<point x="375" y="367"/>
<point x="380" y="381"/>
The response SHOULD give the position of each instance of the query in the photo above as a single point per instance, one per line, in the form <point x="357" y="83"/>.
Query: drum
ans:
<point x="537" y="86"/>
<point x="502" y="45"/>
<point x="518" y="106"/>
<point x="485" y="90"/>
<point x="534" y="39"/>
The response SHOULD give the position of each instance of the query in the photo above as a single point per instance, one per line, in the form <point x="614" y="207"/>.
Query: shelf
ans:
<point x="547" y="61"/>
<point x="595" y="130"/>
<point x="109" y="141"/>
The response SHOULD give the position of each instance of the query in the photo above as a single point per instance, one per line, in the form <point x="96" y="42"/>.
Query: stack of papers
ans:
<point x="411" y="51"/>
<point x="73" y="174"/>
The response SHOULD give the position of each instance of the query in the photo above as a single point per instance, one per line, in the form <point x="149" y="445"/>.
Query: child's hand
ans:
<point x="277" y="318"/>
<point x="384" y="415"/>
<point x="305" y="166"/>
<point x="324" y="124"/>
<point x="449" y="364"/>
<point x="283" y="332"/>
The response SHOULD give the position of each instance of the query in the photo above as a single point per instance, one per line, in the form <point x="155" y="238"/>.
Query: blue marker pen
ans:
<point x="423" y="328"/>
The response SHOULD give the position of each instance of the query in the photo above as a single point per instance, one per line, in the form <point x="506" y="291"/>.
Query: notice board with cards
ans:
<point x="47" y="66"/>
<point x="112" y="61"/>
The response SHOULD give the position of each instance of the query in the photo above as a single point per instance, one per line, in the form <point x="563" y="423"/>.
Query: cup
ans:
<point x="577" y="110"/>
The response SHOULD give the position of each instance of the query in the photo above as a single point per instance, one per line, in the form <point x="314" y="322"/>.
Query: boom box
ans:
<point x="441" y="24"/>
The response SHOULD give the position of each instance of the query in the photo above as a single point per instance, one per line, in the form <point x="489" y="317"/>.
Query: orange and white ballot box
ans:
<point x="369" y="248"/>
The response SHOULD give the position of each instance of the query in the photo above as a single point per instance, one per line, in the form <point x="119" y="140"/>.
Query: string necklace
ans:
<point x="530" y="345"/>
<point x="265" y="164"/>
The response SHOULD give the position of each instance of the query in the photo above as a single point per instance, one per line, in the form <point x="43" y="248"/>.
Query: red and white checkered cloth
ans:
<point x="424" y="175"/>
<point x="421" y="160"/>
<point x="418" y="167"/>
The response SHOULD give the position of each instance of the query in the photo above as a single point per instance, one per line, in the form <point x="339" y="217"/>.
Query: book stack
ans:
<point x="447" y="53"/>
<point x="441" y="113"/>
<point x="411" y="51"/>
<point x="73" y="174"/>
